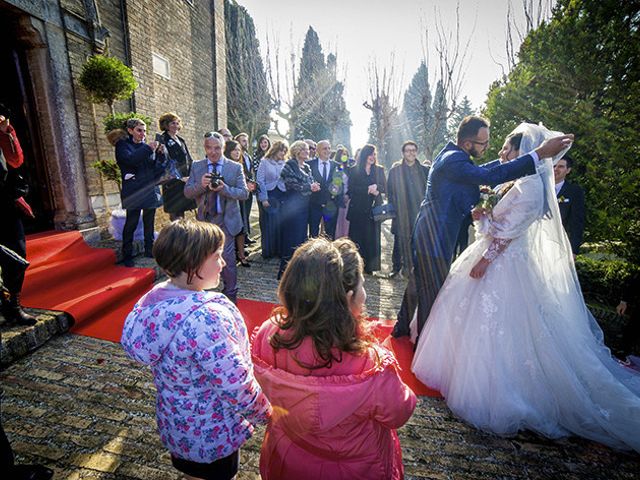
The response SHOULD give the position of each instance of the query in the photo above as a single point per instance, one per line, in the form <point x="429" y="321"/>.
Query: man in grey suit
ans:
<point x="217" y="184"/>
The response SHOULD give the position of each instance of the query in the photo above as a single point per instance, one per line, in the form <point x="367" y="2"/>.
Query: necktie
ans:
<point x="324" y="171"/>
<point x="212" y="197"/>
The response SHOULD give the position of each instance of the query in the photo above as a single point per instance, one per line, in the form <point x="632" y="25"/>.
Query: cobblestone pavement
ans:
<point x="81" y="407"/>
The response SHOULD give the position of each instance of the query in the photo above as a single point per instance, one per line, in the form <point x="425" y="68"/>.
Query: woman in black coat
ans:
<point x="299" y="184"/>
<point x="173" y="199"/>
<point x="141" y="166"/>
<point x="366" y="185"/>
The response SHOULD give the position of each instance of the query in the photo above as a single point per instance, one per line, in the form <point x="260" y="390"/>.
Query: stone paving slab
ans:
<point x="82" y="408"/>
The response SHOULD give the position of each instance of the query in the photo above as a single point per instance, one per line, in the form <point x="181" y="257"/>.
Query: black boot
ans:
<point x="13" y="312"/>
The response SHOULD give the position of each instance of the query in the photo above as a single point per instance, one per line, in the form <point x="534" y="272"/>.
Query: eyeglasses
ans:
<point x="209" y="134"/>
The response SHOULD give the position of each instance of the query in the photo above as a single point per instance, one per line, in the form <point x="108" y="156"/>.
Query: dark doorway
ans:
<point x="17" y="100"/>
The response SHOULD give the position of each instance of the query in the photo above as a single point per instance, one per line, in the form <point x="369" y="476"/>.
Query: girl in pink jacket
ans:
<point x="337" y="397"/>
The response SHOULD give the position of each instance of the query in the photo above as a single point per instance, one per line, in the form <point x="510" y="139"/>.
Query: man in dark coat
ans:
<point x="406" y="185"/>
<point x="571" y="203"/>
<point x="452" y="191"/>
<point x="325" y="202"/>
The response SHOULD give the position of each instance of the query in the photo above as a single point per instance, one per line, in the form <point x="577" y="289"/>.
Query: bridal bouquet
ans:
<point x="488" y="199"/>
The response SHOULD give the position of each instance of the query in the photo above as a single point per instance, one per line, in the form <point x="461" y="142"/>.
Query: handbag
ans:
<point x="170" y="172"/>
<point x="383" y="212"/>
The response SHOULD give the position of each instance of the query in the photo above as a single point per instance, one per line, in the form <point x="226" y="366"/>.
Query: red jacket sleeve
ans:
<point x="11" y="148"/>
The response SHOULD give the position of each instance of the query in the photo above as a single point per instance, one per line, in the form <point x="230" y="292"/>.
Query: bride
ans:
<point x="509" y="342"/>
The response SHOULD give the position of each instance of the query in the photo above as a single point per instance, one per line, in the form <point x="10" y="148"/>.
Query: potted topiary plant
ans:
<point x="107" y="79"/>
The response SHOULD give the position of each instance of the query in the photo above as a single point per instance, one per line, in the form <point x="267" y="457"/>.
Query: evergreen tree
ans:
<point x="463" y="110"/>
<point x="248" y="99"/>
<point x="336" y="114"/>
<point x="307" y="108"/>
<point x="580" y="73"/>
<point x="319" y="110"/>
<point x="417" y="111"/>
<point x="425" y="115"/>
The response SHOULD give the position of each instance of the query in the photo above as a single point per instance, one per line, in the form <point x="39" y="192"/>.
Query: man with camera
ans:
<point x="217" y="185"/>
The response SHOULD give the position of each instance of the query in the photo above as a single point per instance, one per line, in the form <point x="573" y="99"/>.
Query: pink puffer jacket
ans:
<point x="331" y="423"/>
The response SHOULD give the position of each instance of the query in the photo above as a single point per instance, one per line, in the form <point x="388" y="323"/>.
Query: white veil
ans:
<point x="552" y="254"/>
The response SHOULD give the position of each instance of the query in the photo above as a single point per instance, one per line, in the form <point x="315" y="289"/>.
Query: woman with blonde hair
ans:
<point x="337" y="395"/>
<point x="299" y="185"/>
<point x="270" y="197"/>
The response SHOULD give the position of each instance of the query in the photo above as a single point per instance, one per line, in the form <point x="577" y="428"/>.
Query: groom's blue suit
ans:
<point x="452" y="191"/>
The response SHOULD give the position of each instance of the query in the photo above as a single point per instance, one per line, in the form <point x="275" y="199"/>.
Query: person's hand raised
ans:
<point x="555" y="145"/>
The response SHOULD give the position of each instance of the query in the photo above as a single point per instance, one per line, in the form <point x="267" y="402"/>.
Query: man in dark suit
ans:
<point x="571" y="203"/>
<point x="217" y="184"/>
<point x="452" y="191"/>
<point x="325" y="202"/>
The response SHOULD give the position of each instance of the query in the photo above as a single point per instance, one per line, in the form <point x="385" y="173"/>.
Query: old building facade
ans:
<point x="176" y="49"/>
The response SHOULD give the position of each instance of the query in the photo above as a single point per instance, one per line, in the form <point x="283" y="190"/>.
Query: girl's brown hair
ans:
<point x="313" y="294"/>
<point x="184" y="245"/>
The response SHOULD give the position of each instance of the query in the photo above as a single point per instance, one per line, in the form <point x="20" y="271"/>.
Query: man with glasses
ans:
<point x="452" y="191"/>
<point x="405" y="188"/>
<point x="217" y="185"/>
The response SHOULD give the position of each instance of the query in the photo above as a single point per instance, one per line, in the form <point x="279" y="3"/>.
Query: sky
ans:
<point x="362" y="31"/>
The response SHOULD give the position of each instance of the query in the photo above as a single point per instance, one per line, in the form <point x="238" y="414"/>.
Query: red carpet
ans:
<point x="67" y="274"/>
<point x="255" y="313"/>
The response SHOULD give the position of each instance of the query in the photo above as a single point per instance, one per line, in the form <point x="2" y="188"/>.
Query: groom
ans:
<point x="452" y="191"/>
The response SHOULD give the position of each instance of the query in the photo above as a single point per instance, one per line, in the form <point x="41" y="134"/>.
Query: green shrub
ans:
<point x="109" y="169"/>
<point x="107" y="79"/>
<point x="603" y="280"/>
<point x="119" y="120"/>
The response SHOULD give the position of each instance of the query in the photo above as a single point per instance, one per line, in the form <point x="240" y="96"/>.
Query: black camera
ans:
<point x="216" y="179"/>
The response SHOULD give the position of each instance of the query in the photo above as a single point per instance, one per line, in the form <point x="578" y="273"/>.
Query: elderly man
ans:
<point x="217" y="185"/>
<point x="325" y="202"/>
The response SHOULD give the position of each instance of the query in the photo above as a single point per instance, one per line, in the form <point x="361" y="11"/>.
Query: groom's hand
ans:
<point x="552" y="146"/>
<point x="480" y="268"/>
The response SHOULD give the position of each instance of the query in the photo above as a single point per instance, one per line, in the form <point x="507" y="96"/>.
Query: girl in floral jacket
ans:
<point x="337" y="397"/>
<point x="196" y="343"/>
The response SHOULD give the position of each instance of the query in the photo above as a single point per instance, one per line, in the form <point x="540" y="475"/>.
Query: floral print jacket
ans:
<point x="197" y="346"/>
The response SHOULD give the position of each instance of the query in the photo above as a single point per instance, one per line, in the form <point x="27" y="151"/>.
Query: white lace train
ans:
<point x="518" y="348"/>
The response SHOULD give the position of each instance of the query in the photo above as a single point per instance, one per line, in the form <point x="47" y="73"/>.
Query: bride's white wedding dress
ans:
<point x="518" y="348"/>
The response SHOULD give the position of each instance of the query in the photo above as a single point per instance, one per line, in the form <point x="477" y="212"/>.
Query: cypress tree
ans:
<point x="248" y="100"/>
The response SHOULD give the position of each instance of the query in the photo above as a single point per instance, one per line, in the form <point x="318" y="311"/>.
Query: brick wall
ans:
<point x="175" y="30"/>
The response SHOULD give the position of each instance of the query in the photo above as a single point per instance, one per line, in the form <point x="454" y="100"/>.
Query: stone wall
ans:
<point x="184" y="33"/>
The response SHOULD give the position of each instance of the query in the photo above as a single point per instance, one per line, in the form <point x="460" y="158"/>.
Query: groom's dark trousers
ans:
<point x="452" y="191"/>
<point x="429" y="273"/>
